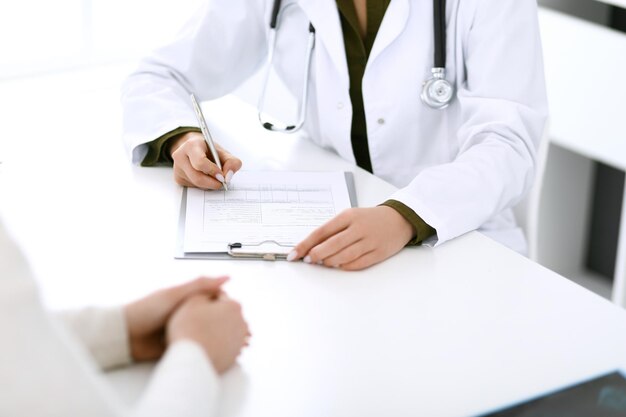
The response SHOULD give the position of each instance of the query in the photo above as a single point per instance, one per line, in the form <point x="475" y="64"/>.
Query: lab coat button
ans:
<point x="340" y="105"/>
<point x="381" y="121"/>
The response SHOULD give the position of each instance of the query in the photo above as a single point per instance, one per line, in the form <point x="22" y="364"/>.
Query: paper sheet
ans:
<point x="275" y="205"/>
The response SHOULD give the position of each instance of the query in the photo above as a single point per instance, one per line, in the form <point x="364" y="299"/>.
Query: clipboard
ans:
<point x="266" y="250"/>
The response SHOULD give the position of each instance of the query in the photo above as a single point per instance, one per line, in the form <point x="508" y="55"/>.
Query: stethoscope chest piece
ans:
<point x="437" y="92"/>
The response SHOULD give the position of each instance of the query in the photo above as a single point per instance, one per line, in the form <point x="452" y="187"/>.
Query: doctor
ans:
<point x="445" y="101"/>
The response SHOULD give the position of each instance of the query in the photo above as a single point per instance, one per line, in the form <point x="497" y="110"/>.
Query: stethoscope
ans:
<point x="437" y="92"/>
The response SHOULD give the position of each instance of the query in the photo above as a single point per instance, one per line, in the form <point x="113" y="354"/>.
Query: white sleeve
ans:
<point x="504" y="107"/>
<point x="217" y="50"/>
<point x="43" y="371"/>
<point x="184" y="385"/>
<point x="103" y="331"/>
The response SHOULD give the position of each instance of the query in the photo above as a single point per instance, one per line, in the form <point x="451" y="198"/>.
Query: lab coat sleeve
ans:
<point x="504" y="109"/>
<point x="104" y="333"/>
<point x="184" y="384"/>
<point x="216" y="51"/>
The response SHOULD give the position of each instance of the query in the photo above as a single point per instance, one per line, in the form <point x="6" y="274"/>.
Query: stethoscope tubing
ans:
<point x="439" y="20"/>
<point x="274" y="24"/>
<point x="437" y="92"/>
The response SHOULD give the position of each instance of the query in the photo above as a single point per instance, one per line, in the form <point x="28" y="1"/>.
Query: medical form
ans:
<point x="279" y="206"/>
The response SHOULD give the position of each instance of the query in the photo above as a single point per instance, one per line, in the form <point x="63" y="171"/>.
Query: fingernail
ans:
<point x="307" y="259"/>
<point x="229" y="176"/>
<point x="220" y="177"/>
<point x="292" y="255"/>
<point x="320" y="262"/>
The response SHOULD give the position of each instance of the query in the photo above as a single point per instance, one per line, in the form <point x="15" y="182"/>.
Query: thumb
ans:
<point x="211" y="287"/>
<point x="230" y="164"/>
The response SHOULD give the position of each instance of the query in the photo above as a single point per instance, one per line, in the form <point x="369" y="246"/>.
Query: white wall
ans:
<point x="570" y="175"/>
<point x="39" y="36"/>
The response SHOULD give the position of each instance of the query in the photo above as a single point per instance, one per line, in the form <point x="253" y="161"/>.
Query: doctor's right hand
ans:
<point x="194" y="165"/>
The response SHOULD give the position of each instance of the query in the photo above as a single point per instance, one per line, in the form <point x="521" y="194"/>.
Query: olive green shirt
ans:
<point x="158" y="149"/>
<point x="357" y="52"/>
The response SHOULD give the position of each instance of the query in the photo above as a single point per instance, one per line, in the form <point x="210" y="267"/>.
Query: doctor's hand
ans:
<point x="217" y="325"/>
<point x="356" y="238"/>
<point x="194" y="165"/>
<point x="147" y="318"/>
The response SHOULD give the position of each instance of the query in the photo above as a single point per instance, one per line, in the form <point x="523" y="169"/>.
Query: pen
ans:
<point x="207" y="135"/>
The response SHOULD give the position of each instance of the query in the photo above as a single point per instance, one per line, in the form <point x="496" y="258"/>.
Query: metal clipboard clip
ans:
<point x="268" y="250"/>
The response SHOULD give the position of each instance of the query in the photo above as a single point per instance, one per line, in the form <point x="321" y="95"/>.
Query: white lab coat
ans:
<point x="45" y="371"/>
<point x="460" y="169"/>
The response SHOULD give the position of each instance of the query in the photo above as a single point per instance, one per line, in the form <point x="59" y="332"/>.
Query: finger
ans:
<point x="198" y="286"/>
<point x="333" y="245"/>
<point x="246" y="336"/>
<point x="230" y="164"/>
<point x="365" y="261"/>
<point x="330" y="228"/>
<point x="184" y="169"/>
<point x="181" y="179"/>
<point x="223" y="297"/>
<point x="208" y="285"/>
<point x="199" y="179"/>
<point x="349" y="254"/>
<point x="200" y="162"/>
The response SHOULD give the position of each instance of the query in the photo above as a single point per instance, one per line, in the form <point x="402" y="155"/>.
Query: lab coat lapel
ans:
<point x="324" y="16"/>
<point x="393" y="24"/>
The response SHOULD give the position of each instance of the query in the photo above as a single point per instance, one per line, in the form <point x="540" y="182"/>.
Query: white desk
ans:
<point x="454" y="331"/>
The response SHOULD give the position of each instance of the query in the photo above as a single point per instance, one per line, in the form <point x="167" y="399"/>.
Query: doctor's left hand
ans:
<point x="356" y="238"/>
<point x="194" y="165"/>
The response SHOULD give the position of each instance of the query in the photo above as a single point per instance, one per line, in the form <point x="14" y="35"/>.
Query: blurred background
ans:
<point x="573" y="217"/>
<point x="39" y="37"/>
